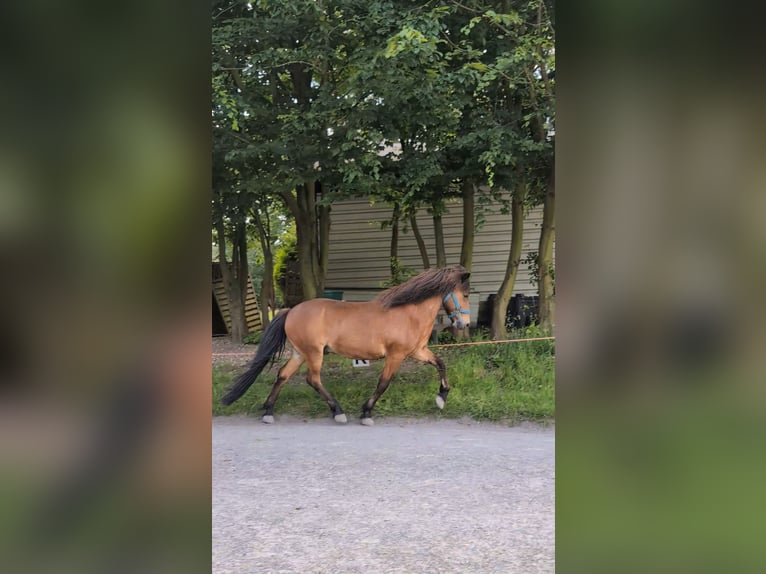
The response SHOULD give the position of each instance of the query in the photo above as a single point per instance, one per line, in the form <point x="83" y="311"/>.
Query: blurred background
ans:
<point x="660" y="370"/>
<point x="104" y="180"/>
<point x="104" y="235"/>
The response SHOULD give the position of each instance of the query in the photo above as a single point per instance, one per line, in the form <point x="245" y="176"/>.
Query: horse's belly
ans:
<point x="353" y="351"/>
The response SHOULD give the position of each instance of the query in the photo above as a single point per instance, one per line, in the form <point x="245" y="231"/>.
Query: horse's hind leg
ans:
<point x="427" y="356"/>
<point x="314" y="365"/>
<point x="389" y="369"/>
<point x="287" y="371"/>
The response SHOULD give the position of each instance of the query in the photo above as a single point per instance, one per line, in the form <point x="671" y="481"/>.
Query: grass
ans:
<point x="503" y="382"/>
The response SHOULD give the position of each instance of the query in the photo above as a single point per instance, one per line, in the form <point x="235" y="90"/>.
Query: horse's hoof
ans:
<point x="268" y="419"/>
<point x="368" y="422"/>
<point x="439" y="402"/>
<point x="341" y="418"/>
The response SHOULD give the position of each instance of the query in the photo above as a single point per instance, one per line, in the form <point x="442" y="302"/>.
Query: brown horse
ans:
<point x="395" y="325"/>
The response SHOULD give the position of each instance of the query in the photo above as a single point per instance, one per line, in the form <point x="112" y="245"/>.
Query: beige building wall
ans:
<point x="359" y="248"/>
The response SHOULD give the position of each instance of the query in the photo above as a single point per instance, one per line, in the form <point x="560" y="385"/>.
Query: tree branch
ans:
<point x="539" y="50"/>
<point x="237" y="78"/>
<point x="290" y="201"/>
<point x="467" y="8"/>
<point x="223" y="11"/>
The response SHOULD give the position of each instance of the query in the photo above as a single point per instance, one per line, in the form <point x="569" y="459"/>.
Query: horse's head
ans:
<point x="455" y="303"/>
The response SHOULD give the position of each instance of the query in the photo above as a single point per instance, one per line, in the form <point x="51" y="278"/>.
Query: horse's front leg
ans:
<point x="389" y="369"/>
<point x="427" y="356"/>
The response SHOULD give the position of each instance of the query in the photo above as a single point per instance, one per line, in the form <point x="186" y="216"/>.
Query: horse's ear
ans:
<point x="464" y="277"/>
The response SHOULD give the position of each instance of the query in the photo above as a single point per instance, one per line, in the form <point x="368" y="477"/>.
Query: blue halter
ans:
<point x="457" y="310"/>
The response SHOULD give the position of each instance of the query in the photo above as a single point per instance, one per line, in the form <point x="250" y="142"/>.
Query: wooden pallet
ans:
<point x="252" y="314"/>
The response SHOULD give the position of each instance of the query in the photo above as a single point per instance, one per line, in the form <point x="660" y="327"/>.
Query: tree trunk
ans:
<point x="312" y="235"/>
<point x="503" y="297"/>
<point x="441" y="255"/>
<point x="394" y="251"/>
<point x="419" y="240"/>
<point x="239" y="293"/>
<point x="267" y="282"/>
<point x="243" y="272"/>
<point x="466" y="250"/>
<point x="302" y="206"/>
<point x="233" y="282"/>
<point x="545" y="261"/>
<point x="267" y="289"/>
<point x="324" y="245"/>
<point x="304" y="229"/>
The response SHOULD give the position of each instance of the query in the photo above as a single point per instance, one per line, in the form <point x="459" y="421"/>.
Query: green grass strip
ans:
<point x="504" y="382"/>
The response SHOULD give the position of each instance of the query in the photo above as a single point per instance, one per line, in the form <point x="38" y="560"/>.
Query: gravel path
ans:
<point x="404" y="496"/>
<point x="224" y="351"/>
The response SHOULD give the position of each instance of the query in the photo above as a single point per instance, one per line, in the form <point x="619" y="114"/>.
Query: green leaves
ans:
<point x="305" y="89"/>
<point x="407" y="39"/>
<point x="480" y="66"/>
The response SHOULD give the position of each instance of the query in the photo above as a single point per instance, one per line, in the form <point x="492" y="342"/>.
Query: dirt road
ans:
<point x="410" y="497"/>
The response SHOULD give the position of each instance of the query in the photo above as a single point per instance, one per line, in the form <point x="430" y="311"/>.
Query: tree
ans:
<point x="269" y="226"/>
<point x="280" y="64"/>
<point x="507" y="49"/>
<point x="469" y="225"/>
<point x="411" y="103"/>
<point x="546" y="113"/>
<point x="503" y="296"/>
<point x="419" y="240"/>
<point x="405" y="103"/>
<point x="545" y="258"/>
<point x="229" y="207"/>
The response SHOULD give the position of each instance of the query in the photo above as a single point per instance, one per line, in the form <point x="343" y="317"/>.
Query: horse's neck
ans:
<point x="430" y="308"/>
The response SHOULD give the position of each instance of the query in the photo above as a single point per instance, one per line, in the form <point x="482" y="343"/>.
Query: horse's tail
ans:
<point x="270" y="347"/>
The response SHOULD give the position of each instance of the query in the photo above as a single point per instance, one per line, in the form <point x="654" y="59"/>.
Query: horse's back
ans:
<point x="332" y="312"/>
<point x="319" y="306"/>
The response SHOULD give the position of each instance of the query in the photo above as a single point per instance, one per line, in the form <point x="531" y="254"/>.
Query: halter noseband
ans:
<point x="457" y="310"/>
